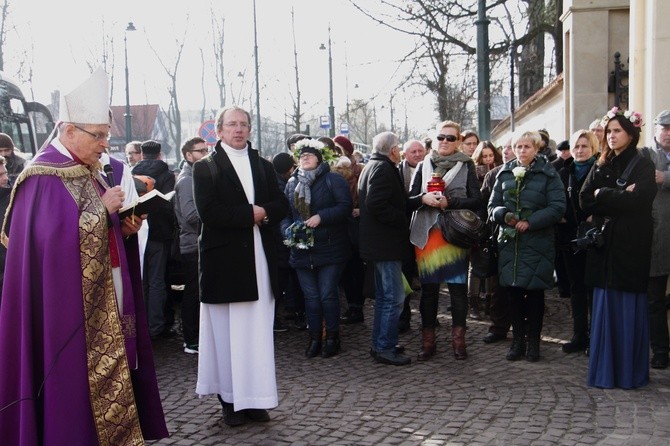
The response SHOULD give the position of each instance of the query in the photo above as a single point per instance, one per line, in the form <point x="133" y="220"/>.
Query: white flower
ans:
<point x="611" y="114"/>
<point x="633" y="119"/>
<point x="519" y="172"/>
<point x="313" y="143"/>
<point x="627" y="114"/>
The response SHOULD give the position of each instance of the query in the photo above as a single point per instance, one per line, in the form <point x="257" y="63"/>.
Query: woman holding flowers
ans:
<point x="527" y="201"/>
<point x="618" y="193"/>
<point x="437" y="260"/>
<point x="316" y="231"/>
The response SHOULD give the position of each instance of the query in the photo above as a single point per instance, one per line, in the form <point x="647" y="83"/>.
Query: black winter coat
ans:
<point x="161" y="222"/>
<point x="623" y="263"/>
<point x="383" y="202"/>
<point x="227" y="256"/>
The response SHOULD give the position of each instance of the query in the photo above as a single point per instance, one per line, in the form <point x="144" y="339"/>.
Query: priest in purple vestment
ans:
<point x="75" y="354"/>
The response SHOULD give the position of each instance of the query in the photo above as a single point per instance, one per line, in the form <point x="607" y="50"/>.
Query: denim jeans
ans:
<point x="319" y="285"/>
<point x="389" y="298"/>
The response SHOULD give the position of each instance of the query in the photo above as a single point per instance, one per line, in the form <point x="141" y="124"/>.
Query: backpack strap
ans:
<point x="622" y="181"/>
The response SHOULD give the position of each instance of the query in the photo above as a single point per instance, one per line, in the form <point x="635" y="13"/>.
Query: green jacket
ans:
<point x="526" y="260"/>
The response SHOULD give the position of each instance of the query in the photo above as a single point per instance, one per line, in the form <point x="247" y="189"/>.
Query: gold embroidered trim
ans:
<point x="110" y="385"/>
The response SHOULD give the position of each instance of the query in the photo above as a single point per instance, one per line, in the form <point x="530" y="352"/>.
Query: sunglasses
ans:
<point x="450" y="138"/>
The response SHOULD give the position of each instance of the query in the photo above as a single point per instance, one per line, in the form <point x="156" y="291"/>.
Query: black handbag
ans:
<point x="484" y="257"/>
<point x="461" y="227"/>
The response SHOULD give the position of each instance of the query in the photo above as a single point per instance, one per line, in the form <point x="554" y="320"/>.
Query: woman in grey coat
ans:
<point x="527" y="201"/>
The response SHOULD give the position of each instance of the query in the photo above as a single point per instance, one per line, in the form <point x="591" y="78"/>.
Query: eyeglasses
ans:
<point x="97" y="136"/>
<point x="200" y="150"/>
<point x="450" y="138"/>
<point x="242" y="125"/>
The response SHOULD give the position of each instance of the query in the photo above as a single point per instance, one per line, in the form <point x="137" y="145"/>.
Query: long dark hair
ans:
<point x="633" y="131"/>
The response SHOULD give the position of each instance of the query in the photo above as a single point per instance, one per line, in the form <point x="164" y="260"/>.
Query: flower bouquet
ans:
<point x="299" y="236"/>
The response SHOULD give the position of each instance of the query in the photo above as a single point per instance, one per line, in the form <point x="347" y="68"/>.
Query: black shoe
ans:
<point x="167" y="333"/>
<point x="258" y="415"/>
<point x="300" y="321"/>
<point x="232" y="418"/>
<point x="392" y="358"/>
<point x="352" y="316"/>
<point x="659" y="361"/>
<point x="398" y="349"/>
<point x="331" y="345"/>
<point x="403" y="325"/>
<point x="492" y="338"/>
<point x="533" y="354"/>
<point x="279" y="326"/>
<point x="517" y="350"/>
<point x="314" y="347"/>
<point x="576" y="344"/>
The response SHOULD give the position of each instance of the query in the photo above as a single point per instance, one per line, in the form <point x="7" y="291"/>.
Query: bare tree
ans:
<point x="173" y="113"/>
<point x="297" y="114"/>
<point x="218" y="47"/>
<point x="202" y="85"/>
<point x="445" y="34"/>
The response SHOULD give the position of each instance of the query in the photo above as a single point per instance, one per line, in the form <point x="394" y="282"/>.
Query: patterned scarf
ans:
<point x="444" y="163"/>
<point x="303" y="192"/>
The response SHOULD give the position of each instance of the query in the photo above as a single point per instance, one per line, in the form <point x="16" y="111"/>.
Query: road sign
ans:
<point x="324" y="122"/>
<point x="207" y="131"/>
<point x="344" y="128"/>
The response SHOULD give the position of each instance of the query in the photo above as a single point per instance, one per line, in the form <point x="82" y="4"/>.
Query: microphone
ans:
<point x="109" y="171"/>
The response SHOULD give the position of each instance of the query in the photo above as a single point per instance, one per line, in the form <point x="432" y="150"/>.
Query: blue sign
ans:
<point x="324" y="122"/>
<point x="207" y="131"/>
<point x="344" y="128"/>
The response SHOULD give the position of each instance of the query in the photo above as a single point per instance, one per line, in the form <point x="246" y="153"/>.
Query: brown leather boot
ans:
<point x="458" y="342"/>
<point x="427" y="344"/>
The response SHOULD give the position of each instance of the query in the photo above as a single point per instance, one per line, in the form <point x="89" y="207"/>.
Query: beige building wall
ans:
<point x="650" y="64"/>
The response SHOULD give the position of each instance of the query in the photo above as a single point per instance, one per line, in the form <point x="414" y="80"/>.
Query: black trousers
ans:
<point x="428" y="306"/>
<point x="190" y="303"/>
<point x="580" y="294"/>
<point x="527" y="311"/>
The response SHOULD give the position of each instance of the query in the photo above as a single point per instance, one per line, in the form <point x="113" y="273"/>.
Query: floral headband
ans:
<point x="634" y="117"/>
<point x="327" y="154"/>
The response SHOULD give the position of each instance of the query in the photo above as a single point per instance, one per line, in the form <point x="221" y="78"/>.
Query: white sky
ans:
<point x="62" y="36"/>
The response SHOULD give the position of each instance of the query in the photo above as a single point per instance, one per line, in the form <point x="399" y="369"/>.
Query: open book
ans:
<point x="146" y="204"/>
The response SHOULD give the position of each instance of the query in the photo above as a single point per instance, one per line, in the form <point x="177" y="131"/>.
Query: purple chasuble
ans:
<point x="44" y="374"/>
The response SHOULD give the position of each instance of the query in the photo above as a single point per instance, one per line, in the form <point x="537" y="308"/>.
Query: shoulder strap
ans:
<point x="623" y="179"/>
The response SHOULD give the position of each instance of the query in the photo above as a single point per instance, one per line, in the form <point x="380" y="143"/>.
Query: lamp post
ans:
<point x="331" y="107"/>
<point x="128" y="116"/>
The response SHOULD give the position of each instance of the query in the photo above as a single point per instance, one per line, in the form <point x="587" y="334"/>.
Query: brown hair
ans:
<point x="479" y="153"/>
<point x="628" y="127"/>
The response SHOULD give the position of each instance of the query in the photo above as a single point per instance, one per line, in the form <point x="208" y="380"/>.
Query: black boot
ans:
<point x="314" y="347"/>
<point x="578" y="343"/>
<point x="518" y="348"/>
<point x="533" y="354"/>
<point x="300" y="321"/>
<point x="332" y="345"/>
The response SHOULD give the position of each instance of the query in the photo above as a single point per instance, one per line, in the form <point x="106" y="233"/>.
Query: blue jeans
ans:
<point x="319" y="285"/>
<point x="389" y="299"/>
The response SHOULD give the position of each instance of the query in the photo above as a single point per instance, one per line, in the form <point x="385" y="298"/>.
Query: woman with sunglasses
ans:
<point x="527" y="201"/>
<point x="437" y="260"/>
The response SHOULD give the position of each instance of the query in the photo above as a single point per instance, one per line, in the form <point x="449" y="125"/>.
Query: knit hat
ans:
<point x="6" y="141"/>
<point x="294" y="139"/>
<point x="347" y="146"/>
<point x="150" y="147"/>
<point x="89" y="102"/>
<point x="283" y="162"/>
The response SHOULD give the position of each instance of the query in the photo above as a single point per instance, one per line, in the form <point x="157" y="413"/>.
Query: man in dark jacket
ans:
<point x="189" y="230"/>
<point x="384" y="236"/>
<point x="161" y="230"/>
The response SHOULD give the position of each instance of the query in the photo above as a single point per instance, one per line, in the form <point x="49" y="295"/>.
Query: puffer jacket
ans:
<point x="527" y="259"/>
<point x="331" y="200"/>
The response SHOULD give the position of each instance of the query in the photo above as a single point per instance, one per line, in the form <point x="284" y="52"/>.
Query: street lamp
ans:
<point x="331" y="108"/>
<point x="128" y="116"/>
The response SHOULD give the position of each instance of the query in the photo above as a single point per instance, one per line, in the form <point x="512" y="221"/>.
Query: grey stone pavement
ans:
<point x="351" y="400"/>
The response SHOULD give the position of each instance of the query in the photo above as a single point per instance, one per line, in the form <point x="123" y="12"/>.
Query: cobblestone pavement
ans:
<point x="351" y="400"/>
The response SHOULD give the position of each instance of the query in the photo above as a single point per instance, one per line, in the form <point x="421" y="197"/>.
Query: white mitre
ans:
<point x="89" y="102"/>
